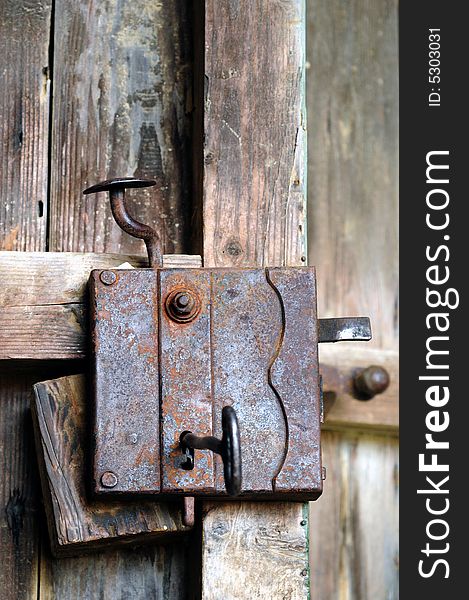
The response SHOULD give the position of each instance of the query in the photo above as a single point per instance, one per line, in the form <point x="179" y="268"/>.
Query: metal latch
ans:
<point x="206" y="381"/>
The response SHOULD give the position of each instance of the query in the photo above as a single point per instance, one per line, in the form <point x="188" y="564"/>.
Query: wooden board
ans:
<point x="19" y="523"/>
<point x="76" y="522"/>
<point x="254" y="149"/>
<point x="255" y="550"/>
<point x="254" y="211"/>
<point x="122" y="77"/>
<point x="133" y="573"/>
<point x="354" y="543"/>
<point x="352" y="192"/>
<point x="44" y="300"/>
<point x="343" y="407"/>
<point x="160" y="59"/>
<point x="353" y="161"/>
<point x="24" y="119"/>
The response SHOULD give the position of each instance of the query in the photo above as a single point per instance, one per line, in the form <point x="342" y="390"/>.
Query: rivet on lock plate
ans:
<point x="206" y="381"/>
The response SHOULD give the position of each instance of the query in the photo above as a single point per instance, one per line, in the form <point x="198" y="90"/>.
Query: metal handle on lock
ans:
<point x="116" y="188"/>
<point x="229" y="448"/>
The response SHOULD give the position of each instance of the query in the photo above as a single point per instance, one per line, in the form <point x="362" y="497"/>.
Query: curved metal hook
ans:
<point x="116" y="188"/>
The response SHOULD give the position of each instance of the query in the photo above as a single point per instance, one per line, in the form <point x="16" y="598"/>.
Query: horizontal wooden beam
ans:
<point x="339" y="363"/>
<point x="43" y="300"/>
<point x="43" y="317"/>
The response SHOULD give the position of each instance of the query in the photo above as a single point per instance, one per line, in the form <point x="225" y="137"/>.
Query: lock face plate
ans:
<point x="246" y="338"/>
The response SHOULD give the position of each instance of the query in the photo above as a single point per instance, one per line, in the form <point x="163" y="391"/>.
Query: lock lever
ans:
<point x="116" y="188"/>
<point x="344" y="329"/>
<point x="229" y="448"/>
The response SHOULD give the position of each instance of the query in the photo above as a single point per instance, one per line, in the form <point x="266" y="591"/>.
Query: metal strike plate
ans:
<point x="250" y="342"/>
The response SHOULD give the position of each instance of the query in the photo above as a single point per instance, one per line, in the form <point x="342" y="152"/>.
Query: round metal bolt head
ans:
<point x="372" y="381"/>
<point x="108" y="277"/>
<point x="182" y="301"/>
<point x="109" y="479"/>
<point x="183" y="306"/>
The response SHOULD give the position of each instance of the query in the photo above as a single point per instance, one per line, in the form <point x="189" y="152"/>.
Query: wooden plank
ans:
<point x="24" y="120"/>
<point x="353" y="527"/>
<point x="122" y="81"/>
<point x="44" y="302"/>
<point x="342" y="407"/>
<point x="353" y="178"/>
<point x="265" y="550"/>
<point x="134" y="573"/>
<point x="254" y="184"/>
<point x="76" y="522"/>
<point x="353" y="161"/>
<point x="253" y="189"/>
<point x="19" y="531"/>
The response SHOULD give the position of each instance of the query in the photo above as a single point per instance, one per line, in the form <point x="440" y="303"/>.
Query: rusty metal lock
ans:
<point x="206" y="381"/>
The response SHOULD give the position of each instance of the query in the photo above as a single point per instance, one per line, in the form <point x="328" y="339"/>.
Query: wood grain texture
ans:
<point x="352" y="92"/>
<point x="254" y="186"/>
<point x="255" y="550"/>
<point x="152" y="572"/>
<point x="254" y="214"/>
<point x="19" y="531"/>
<point x="76" y="522"/>
<point x="24" y="120"/>
<point x="352" y="193"/>
<point x="44" y="300"/>
<point x="122" y="78"/>
<point x="343" y="408"/>
<point x="354" y="526"/>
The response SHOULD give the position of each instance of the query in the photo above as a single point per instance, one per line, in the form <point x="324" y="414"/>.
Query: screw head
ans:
<point x="109" y="479"/>
<point x="182" y="301"/>
<point x="182" y="305"/>
<point x="108" y="277"/>
<point x="132" y="438"/>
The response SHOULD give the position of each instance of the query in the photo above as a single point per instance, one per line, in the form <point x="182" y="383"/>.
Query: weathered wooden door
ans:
<point x="352" y="99"/>
<point x="208" y="98"/>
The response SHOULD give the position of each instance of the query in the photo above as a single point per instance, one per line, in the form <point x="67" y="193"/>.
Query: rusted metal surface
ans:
<point x="116" y="188"/>
<point x="124" y="320"/>
<point x="252" y="346"/>
<point x="295" y="375"/>
<point x="185" y="372"/>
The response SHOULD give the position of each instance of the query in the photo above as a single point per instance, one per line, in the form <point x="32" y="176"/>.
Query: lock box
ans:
<point x="171" y="348"/>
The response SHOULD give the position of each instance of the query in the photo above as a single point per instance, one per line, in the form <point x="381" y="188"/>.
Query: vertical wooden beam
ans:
<point x="24" y="121"/>
<point x="353" y="160"/>
<point x="122" y="77"/>
<point x="353" y="220"/>
<point x="254" y="185"/>
<point x="254" y="214"/>
<point x="19" y="489"/>
<point x="122" y="73"/>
